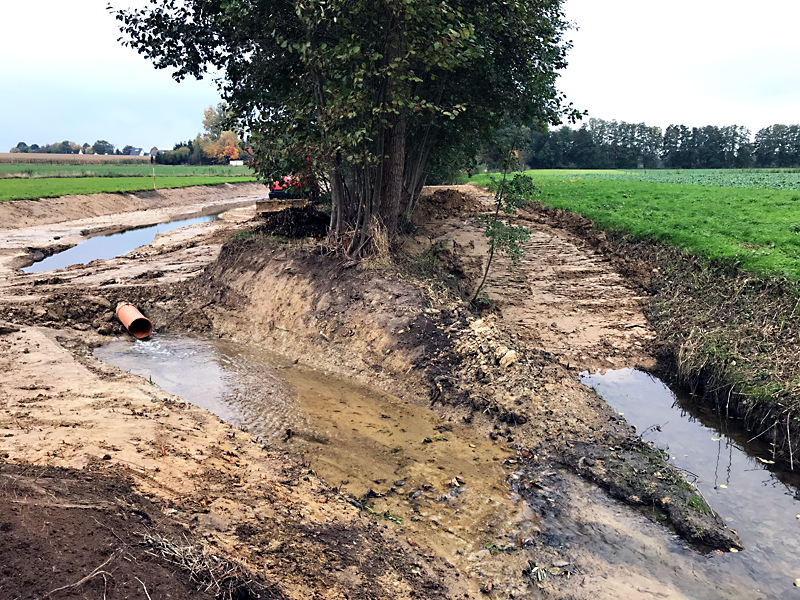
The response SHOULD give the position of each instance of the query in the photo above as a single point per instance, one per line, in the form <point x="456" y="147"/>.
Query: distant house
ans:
<point x="136" y="152"/>
<point x="236" y="163"/>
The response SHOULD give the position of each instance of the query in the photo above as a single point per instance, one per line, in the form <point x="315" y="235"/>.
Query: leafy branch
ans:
<point x="505" y="237"/>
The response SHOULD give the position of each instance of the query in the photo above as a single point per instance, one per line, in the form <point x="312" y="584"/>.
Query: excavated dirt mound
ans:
<point x="443" y="203"/>
<point x="295" y="223"/>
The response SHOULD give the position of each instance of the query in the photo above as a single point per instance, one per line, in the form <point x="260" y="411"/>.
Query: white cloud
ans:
<point x="701" y="62"/>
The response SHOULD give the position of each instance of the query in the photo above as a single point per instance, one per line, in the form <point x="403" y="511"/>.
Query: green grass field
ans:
<point x="776" y="179"/>
<point x="31" y="171"/>
<point x="31" y="189"/>
<point x="758" y="229"/>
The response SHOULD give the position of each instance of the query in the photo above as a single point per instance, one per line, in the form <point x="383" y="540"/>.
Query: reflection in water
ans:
<point x="208" y="376"/>
<point x="729" y="468"/>
<point x="105" y="247"/>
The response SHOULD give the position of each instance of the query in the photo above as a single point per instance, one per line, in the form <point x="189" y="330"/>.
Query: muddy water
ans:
<point x="105" y="247"/>
<point x="446" y="484"/>
<point x="760" y="502"/>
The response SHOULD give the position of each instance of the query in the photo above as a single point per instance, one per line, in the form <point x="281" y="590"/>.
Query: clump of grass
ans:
<point x="697" y="504"/>
<point x="379" y="255"/>
<point x="425" y="265"/>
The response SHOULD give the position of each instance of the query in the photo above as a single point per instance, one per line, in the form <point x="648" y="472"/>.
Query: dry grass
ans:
<point x="69" y="159"/>
<point x="378" y="254"/>
<point x="226" y="579"/>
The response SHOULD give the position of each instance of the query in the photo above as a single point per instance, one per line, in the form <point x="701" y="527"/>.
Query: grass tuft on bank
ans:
<point x="32" y="189"/>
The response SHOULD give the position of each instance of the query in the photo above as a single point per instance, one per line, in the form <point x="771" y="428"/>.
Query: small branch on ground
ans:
<point x="97" y="571"/>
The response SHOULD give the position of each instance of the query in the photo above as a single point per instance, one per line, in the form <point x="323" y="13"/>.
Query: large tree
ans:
<point x="367" y="93"/>
<point x="103" y="147"/>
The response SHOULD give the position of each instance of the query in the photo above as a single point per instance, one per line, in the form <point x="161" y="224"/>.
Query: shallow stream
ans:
<point x="354" y="437"/>
<point x="734" y="473"/>
<point x="447" y="483"/>
<point x="109" y="246"/>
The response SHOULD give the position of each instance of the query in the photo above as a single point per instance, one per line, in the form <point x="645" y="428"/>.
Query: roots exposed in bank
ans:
<point x="226" y="579"/>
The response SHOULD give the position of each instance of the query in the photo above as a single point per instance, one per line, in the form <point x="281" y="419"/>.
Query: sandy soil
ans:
<point x="497" y="391"/>
<point x="563" y="296"/>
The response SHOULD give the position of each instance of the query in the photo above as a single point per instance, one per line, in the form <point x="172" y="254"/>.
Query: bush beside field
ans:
<point x="32" y="189"/>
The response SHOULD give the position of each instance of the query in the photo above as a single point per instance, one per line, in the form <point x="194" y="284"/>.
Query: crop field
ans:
<point x="71" y="159"/>
<point x="755" y="228"/>
<point x="21" y="189"/>
<point x="774" y="179"/>
<point x="37" y="171"/>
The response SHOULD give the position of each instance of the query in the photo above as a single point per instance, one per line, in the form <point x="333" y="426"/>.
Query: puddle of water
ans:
<point x="351" y="435"/>
<point x="761" y="505"/>
<point x="105" y="247"/>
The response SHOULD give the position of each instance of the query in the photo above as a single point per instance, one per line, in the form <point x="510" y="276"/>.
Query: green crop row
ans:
<point x="756" y="229"/>
<point x="22" y="189"/>
<point x="756" y="178"/>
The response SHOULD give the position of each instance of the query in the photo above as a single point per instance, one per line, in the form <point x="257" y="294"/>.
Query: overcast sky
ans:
<point x="691" y="62"/>
<point x="63" y="75"/>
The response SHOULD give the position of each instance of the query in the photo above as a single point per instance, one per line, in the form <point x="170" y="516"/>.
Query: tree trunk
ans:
<point x="393" y="167"/>
<point x="337" y="202"/>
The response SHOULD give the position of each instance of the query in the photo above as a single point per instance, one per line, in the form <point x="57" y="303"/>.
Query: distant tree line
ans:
<point x="601" y="144"/>
<point x="68" y="147"/>
<point x="218" y="145"/>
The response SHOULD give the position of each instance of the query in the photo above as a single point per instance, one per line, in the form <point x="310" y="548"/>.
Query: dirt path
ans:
<point x="262" y="506"/>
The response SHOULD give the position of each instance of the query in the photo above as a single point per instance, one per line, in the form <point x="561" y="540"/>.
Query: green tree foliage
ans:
<point x="178" y="156"/>
<point x="217" y="119"/>
<point x="366" y="93"/>
<point x="103" y="147"/>
<point x="601" y="144"/>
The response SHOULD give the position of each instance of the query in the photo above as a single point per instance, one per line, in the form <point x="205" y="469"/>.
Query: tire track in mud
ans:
<point x="568" y="299"/>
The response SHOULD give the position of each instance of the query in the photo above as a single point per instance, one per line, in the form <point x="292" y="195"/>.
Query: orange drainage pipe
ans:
<point x="135" y="322"/>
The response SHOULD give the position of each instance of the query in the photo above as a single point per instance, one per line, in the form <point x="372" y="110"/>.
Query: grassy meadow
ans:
<point x="31" y="189"/>
<point x="756" y="228"/>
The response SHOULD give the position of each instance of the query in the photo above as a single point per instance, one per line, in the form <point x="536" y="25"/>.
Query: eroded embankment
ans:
<point x="730" y="337"/>
<point x="388" y="331"/>
<point x="385" y="330"/>
<point x="26" y="213"/>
